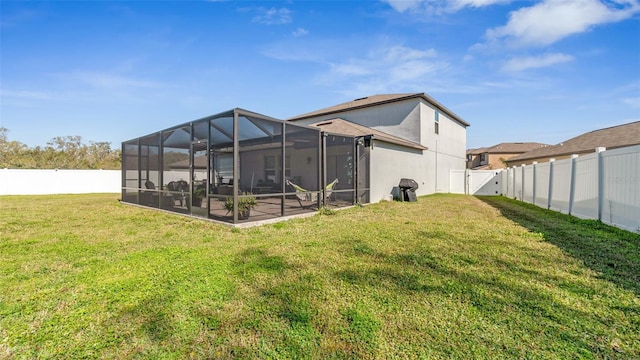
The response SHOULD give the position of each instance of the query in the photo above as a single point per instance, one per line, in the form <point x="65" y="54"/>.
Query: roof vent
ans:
<point x="325" y="123"/>
<point x="362" y="98"/>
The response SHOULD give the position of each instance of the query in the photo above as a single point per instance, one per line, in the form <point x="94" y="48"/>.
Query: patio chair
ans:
<point x="303" y="194"/>
<point x="178" y="186"/>
<point x="148" y="197"/>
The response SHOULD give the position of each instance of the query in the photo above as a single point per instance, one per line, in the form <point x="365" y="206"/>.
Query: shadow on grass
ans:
<point x="613" y="253"/>
<point x="282" y="309"/>
<point x="510" y="304"/>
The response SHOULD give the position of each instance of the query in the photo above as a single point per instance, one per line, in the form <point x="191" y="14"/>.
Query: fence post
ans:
<point x="513" y="173"/>
<point x="572" y="182"/>
<point x="467" y="174"/>
<point x="522" y="185"/>
<point x="599" y="151"/>
<point x="533" y="188"/>
<point x="506" y="182"/>
<point x="551" y="161"/>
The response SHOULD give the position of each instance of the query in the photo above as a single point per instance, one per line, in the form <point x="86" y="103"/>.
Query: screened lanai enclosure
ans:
<point x="240" y="166"/>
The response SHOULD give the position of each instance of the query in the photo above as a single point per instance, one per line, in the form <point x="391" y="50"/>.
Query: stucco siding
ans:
<point x="414" y="120"/>
<point x="451" y="137"/>
<point x="390" y="163"/>
<point x="252" y="167"/>
<point x="401" y="119"/>
<point x="447" y="149"/>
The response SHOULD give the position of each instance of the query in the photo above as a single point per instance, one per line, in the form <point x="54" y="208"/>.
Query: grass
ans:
<point x="451" y="276"/>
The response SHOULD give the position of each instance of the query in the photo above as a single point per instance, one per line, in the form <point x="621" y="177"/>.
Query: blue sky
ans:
<point x="541" y="71"/>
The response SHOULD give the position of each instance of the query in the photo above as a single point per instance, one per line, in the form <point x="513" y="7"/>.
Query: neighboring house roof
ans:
<point x="610" y="138"/>
<point x="508" y="148"/>
<point x="199" y="162"/>
<point x="341" y="126"/>
<point x="376" y="100"/>
<point x="477" y="151"/>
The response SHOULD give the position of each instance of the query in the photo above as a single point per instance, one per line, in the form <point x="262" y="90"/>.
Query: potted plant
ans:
<point x="199" y="193"/>
<point x="245" y="204"/>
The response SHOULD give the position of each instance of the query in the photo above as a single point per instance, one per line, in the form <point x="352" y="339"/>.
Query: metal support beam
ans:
<point x="236" y="167"/>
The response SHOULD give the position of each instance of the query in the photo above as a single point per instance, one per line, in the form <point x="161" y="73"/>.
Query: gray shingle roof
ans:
<point x="375" y="100"/>
<point x="341" y="126"/>
<point x="508" y="148"/>
<point x="611" y="138"/>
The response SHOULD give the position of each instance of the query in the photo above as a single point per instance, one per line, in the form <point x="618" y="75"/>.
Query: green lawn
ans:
<point x="451" y="276"/>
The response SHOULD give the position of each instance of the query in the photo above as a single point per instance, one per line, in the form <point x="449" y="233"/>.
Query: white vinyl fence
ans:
<point x="40" y="182"/>
<point x="604" y="185"/>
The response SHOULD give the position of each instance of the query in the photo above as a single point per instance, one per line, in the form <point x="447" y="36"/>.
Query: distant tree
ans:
<point x="101" y="156"/>
<point x="11" y="152"/>
<point x="62" y="152"/>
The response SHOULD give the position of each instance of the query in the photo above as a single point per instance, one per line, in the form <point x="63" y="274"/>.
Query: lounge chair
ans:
<point x="303" y="194"/>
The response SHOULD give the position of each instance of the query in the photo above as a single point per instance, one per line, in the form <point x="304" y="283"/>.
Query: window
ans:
<point x="483" y="158"/>
<point x="272" y="170"/>
<point x="287" y="166"/>
<point x="436" y="125"/>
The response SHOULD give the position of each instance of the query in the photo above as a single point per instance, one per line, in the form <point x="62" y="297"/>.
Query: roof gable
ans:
<point x="376" y="100"/>
<point x="341" y="126"/>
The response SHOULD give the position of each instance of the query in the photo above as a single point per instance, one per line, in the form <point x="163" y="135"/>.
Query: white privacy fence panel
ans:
<point x="476" y="182"/>
<point x="604" y="185"/>
<point x="457" y="181"/>
<point x="484" y="182"/>
<point x="504" y="182"/>
<point x="527" y="188"/>
<point x="560" y="183"/>
<point x="517" y="183"/>
<point x="585" y="187"/>
<point x="541" y="185"/>
<point x="44" y="182"/>
<point x="620" y="203"/>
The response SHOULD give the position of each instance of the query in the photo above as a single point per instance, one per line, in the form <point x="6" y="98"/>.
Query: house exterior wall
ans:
<point x="389" y="163"/>
<point x="493" y="160"/>
<point x="544" y="159"/>
<point x="411" y="119"/>
<point x="447" y="149"/>
<point x="496" y="160"/>
<point x="252" y="168"/>
<point x="473" y="161"/>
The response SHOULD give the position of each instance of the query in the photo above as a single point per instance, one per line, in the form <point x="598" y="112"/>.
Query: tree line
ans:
<point x="62" y="152"/>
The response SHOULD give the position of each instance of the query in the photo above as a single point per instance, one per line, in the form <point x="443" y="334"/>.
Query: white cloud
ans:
<point x="439" y="6"/>
<point x="552" y="20"/>
<point x="459" y="4"/>
<point x="25" y="94"/>
<point x="273" y="16"/>
<point x="404" y="5"/>
<point x="384" y="69"/>
<point x="401" y="53"/>
<point x="106" y="81"/>
<point x="300" y="32"/>
<point x="633" y="102"/>
<point x="351" y="69"/>
<point x="532" y="62"/>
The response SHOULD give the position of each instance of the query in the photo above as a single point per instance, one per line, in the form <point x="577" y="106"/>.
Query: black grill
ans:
<point x="408" y="189"/>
